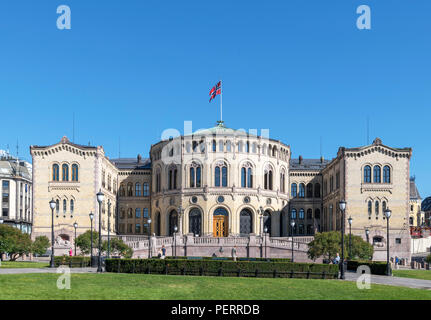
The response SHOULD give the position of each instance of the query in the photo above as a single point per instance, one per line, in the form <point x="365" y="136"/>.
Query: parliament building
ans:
<point x="221" y="182"/>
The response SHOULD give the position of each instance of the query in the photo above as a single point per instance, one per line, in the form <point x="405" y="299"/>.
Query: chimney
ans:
<point x="300" y="159"/>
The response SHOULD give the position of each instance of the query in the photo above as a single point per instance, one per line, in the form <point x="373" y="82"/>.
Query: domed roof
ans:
<point x="219" y="129"/>
<point x="426" y="204"/>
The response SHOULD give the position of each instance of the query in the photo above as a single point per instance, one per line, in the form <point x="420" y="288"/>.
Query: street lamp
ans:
<point x="149" y="238"/>
<point x="367" y="232"/>
<point x="175" y="241"/>
<point x="388" y="213"/>
<point x="91" y="231"/>
<point x="342" y="205"/>
<point x="100" y="197"/>
<point x="261" y="217"/>
<point x="350" y="236"/>
<point x="75" y="225"/>
<point x="52" y="205"/>
<point x="109" y="224"/>
<point x="265" y="230"/>
<point x="292" y="224"/>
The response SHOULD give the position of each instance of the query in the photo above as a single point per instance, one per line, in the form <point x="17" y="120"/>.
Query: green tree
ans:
<point x="328" y="244"/>
<point x="83" y="241"/>
<point x="40" y="245"/>
<point x="117" y="248"/>
<point x="14" y="242"/>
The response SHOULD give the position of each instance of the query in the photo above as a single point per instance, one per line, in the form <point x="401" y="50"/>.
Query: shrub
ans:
<point x="428" y="258"/>
<point x="376" y="267"/>
<point x="73" y="262"/>
<point x="209" y="267"/>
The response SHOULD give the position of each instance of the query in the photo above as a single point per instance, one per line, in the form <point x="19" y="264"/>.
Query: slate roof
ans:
<point x="414" y="193"/>
<point x="426" y="204"/>
<point x="132" y="163"/>
<point x="308" y="164"/>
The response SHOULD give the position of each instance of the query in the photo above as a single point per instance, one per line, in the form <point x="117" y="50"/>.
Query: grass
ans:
<point x="141" y="286"/>
<point x="416" y="274"/>
<point x="23" y="264"/>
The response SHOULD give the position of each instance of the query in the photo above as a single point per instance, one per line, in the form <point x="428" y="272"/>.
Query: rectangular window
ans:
<point x="146" y="189"/>
<point x="138" y="228"/>
<point x="146" y="215"/>
<point x="337" y="180"/>
<point x="398" y="240"/>
<point x="138" y="213"/>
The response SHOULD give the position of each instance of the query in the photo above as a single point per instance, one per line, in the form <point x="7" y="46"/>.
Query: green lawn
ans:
<point x="23" y="264"/>
<point x="141" y="286"/>
<point x="417" y="274"/>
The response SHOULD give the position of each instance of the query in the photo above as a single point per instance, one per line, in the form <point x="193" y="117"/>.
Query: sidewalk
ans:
<point x="44" y="270"/>
<point x="393" y="281"/>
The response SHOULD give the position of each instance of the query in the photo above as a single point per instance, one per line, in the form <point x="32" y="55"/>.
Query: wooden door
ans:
<point x="220" y="226"/>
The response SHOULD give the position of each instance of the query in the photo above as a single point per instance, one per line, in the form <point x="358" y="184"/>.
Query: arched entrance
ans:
<point x="173" y="222"/>
<point x="220" y="222"/>
<point x="195" y="221"/>
<point x="245" y="222"/>
<point x="157" y="228"/>
<point x="267" y="221"/>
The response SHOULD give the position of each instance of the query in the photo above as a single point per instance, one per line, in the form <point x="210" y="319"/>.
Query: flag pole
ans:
<point x="221" y="101"/>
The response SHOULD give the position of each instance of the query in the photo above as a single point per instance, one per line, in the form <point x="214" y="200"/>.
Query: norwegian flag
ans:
<point x="215" y="90"/>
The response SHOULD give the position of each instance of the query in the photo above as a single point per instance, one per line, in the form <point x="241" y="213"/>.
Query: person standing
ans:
<point x="163" y="251"/>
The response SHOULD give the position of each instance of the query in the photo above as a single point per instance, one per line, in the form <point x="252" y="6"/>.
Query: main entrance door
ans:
<point x="220" y="222"/>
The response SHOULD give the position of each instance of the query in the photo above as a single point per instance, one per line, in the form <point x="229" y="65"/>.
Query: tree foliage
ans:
<point x="83" y="241"/>
<point x="328" y="244"/>
<point x="117" y="246"/>
<point x="14" y="242"/>
<point x="40" y="245"/>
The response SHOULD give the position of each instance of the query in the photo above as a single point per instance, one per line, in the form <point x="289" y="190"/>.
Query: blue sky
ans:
<point x="131" y="69"/>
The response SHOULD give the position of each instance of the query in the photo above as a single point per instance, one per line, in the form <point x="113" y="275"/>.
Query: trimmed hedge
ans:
<point x="228" y="258"/>
<point x="73" y="262"/>
<point x="223" y="268"/>
<point x="376" y="267"/>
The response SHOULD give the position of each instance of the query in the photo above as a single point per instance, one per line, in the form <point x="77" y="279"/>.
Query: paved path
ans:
<point x="393" y="281"/>
<point x="44" y="270"/>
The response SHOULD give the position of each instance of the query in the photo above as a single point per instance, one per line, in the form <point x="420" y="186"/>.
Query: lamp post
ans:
<point x="52" y="205"/>
<point x="175" y="241"/>
<point x="149" y="238"/>
<point x="91" y="232"/>
<point x="350" y="237"/>
<point x="367" y="232"/>
<point x="292" y="224"/>
<point x="261" y="218"/>
<point x="100" y="197"/>
<point x="109" y="225"/>
<point x="342" y="205"/>
<point x="388" y="213"/>
<point x="265" y="230"/>
<point x="75" y="225"/>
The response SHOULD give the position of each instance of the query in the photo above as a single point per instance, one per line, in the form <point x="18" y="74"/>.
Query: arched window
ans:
<point x="370" y="204"/>
<point x="293" y="214"/>
<point x="64" y="206"/>
<point x="245" y="222"/>
<point x="268" y="178"/>
<point x="283" y="181"/>
<point x="74" y="172"/>
<point x="158" y="181"/>
<point x="377" y="174"/>
<point x="317" y="214"/>
<point x="122" y="191"/>
<point x="57" y="206"/>
<point x="309" y="190"/>
<point x="55" y="172"/>
<point x="246" y="176"/>
<point x="367" y="174"/>
<point x="195" y="175"/>
<point x="137" y="189"/>
<point x="383" y="207"/>
<point x="228" y="146"/>
<point x="65" y="170"/>
<point x="172" y="176"/>
<point x="317" y="190"/>
<point x="294" y="190"/>
<point x="386" y="174"/>
<point x="301" y="190"/>
<point x="411" y="220"/>
<point x="72" y="206"/>
<point x="377" y="208"/>
<point x="301" y="214"/>
<point x="129" y="189"/>
<point x="214" y="146"/>
<point x="309" y="214"/>
<point x="220" y="175"/>
<point x="220" y="146"/>
<point x="195" y="221"/>
<point x="146" y="189"/>
<point x="173" y="222"/>
<point x="247" y="146"/>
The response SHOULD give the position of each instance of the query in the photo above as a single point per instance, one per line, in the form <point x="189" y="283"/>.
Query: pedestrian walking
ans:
<point x="234" y="253"/>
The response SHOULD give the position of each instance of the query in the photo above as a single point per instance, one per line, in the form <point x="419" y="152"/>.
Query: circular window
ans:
<point x="220" y="199"/>
<point x="268" y="201"/>
<point x="194" y="199"/>
<point x="246" y="199"/>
